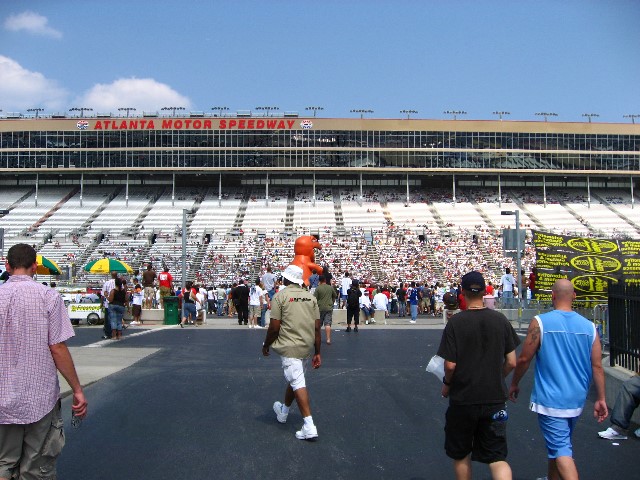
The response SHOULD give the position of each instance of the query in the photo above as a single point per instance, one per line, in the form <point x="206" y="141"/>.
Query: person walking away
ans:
<point x="201" y="305"/>
<point x="34" y="325"/>
<point x="345" y="285"/>
<point x="117" y="303"/>
<point x="533" y="278"/>
<point x="294" y="332"/>
<point x="414" y="299"/>
<point x="266" y="305"/>
<point x="326" y="296"/>
<point x="106" y="290"/>
<point x="401" y="295"/>
<point x="314" y="281"/>
<point x="165" y="282"/>
<point x="627" y="400"/>
<point x="568" y="355"/>
<point x="353" y="306"/>
<point x="478" y="346"/>
<point x="507" y="285"/>
<point x="148" y="281"/>
<point x="256" y="297"/>
<point x="189" y="299"/>
<point x="221" y="298"/>
<point x="211" y="300"/>
<point x="524" y="295"/>
<point x="241" y="300"/>
<point x="269" y="282"/>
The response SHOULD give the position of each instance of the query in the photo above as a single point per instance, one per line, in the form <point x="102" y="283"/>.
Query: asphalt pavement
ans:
<point x="196" y="403"/>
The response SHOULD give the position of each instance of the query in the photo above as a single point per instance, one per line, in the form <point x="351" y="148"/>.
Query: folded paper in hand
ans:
<point x="436" y="366"/>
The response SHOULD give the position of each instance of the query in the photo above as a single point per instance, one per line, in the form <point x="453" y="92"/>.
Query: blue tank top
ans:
<point x="563" y="364"/>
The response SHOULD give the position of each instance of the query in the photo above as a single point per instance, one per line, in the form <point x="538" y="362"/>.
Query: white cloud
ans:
<point x="145" y="94"/>
<point x="31" y="22"/>
<point x="21" y="88"/>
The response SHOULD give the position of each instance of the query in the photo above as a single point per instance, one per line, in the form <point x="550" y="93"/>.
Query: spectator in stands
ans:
<point x="165" y="281"/>
<point x="148" y="281"/>
<point x="326" y="296"/>
<point x="106" y="290"/>
<point x="507" y="286"/>
<point x="627" y="400"/>
<point x="241" y="300"/>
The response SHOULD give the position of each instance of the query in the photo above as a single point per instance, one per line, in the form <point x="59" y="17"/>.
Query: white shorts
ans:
<point x="294" y="369"/>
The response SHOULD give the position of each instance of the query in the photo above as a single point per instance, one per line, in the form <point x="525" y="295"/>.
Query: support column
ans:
<point x="81" y="187"/>
<point x="588" y="193"/>
<point x="220" y="190"/>
<point x="314" y="189"/>
<point x="360" y="187"/>
<point x="633" y="200"/>
<point x="266" y="191"/>
<point x="454" y="189"/>
<point x="126" y="192"/>
<point x="407" y="202"/>
<point x="499" y="192"/>
<point x="173" y="190"/>
<point x="544" y="190"/>
<point x="37" y="181"/>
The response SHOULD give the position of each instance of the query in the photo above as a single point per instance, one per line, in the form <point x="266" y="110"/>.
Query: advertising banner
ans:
<point x="590" y="263"/>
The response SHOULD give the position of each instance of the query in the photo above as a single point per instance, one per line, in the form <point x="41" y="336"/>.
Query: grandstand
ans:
<point x="391" y="200"/>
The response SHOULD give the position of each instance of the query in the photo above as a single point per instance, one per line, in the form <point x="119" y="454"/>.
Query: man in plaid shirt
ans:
<point x="34" y="325"/>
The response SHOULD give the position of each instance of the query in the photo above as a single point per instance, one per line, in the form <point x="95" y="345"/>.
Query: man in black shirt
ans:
<point x="241" y="299"/>
<point x="478" y="346"/>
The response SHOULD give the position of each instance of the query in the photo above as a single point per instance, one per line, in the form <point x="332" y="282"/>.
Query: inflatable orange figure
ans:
<point x="305" y="256"/>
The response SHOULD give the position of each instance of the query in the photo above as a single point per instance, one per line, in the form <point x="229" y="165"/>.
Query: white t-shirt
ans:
<point x="364" y="299"/>
<point x="255" y="292"/>
<point x="136" y="298"/>
<point x="200" y="300"/>
<point x="380" y="301"/>
<point x="507" y="281"/>
<point x="346" y="284"/>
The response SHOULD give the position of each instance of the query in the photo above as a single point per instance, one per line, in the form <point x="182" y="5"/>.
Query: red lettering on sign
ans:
<point x="177" y="125"/>
<point x="271" y="123"/>
<point x="133" y="125"/>
<point x="123" y="125"/>
<point x="250" y="124"/>
<point x="98" y="125"/>
<point x="207" y="124"/>
<point x="290" y="123"/>
<point x="197" y="124"/>
<point x="143" y="123"/>
<point x="150" y="125"/>
<point x="232" y="123"/>
<point x="222" y="124"/>
<point x="167" y="124"/>
<point x="260" y="124"/>
<point x="241" y="124"/>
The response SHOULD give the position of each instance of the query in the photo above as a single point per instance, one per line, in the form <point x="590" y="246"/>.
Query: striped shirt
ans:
<point x="32" y="317"/>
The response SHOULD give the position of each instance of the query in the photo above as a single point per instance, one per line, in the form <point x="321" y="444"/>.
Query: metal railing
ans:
<point x="624" y="326"/>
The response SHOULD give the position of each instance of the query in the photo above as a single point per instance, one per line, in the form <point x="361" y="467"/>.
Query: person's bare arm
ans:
<point x="272" y="334"/>
<point x="600" y="410"/>
<point x="529" y="349"/>
<point x="64" y="364"/>
<point x="449" y="369"/>
<point x="509" y="363"/>
<point x="316" y="361"/>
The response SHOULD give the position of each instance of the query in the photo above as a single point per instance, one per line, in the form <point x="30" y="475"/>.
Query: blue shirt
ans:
<point x="414" y="296"/>
<point x="563" y="364"/>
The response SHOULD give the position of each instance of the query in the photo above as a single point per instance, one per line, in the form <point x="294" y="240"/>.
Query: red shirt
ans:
<point x="165" y="279"/>
<point x="489" y="289"/>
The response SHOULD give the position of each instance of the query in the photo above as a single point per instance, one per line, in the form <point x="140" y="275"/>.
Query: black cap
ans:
<point x="473" y="282"/>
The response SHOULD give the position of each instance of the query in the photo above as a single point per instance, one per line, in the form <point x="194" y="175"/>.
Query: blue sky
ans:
<point x="569" y="57"/>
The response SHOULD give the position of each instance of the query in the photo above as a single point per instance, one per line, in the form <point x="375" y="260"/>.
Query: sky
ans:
<point x="567" y="57"/>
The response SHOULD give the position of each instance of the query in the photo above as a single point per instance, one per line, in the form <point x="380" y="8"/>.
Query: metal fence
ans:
<point x="624" y="326"/>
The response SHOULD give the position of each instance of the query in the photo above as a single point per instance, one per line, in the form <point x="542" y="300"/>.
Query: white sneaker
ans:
<point x="282" y="417"/>
<point x="611" y="434"/>
<point x="412" y="321"/>
<point x="307" y="432"/>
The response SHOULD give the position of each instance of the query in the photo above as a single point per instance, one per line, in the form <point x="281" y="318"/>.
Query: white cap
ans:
<point x="293" y="273"/>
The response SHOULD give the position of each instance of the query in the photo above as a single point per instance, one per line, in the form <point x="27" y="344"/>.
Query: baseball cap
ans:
<point x="473" y="282"/>
<point x="293" y="273"/>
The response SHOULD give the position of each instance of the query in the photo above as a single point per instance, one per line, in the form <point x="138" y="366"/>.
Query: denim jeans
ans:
<point x="507" y="299"/>
<point x="414" y="311"/>
<point x="402" y="308"/>
<point x="116" y="313"/>
<point x="220" y="307"/>
<point x="263" y="313"/>
<point x="627" y="401"/>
